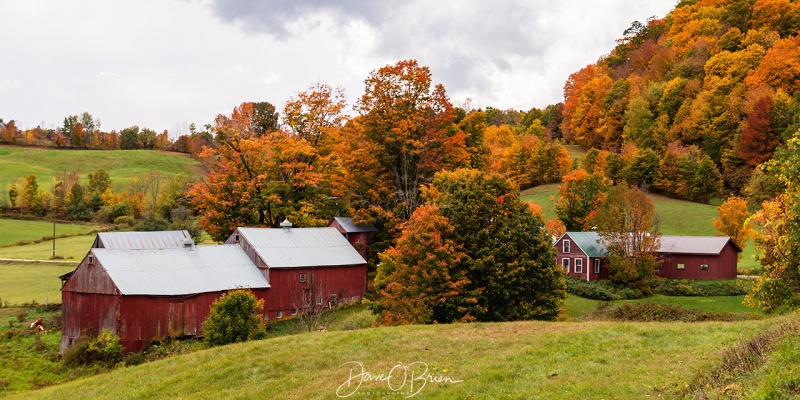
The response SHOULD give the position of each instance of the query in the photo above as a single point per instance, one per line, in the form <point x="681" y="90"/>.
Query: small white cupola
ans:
<point x="286" y="225"/>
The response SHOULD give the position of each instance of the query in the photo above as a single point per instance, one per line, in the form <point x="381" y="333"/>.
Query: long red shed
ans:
<point x="149" y="294"/>
<point x="298" y="260"/>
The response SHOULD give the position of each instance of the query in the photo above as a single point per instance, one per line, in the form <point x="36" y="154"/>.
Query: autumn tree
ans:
<point x="474" y="251"/>
<point x="777" y="237"/>
<point x="758" y="139"/>
<point x="129" y="138"/>
<point x="732" y="221"/>
<point x="404" y="135"/>
<point x="578" y="198"/>
<point x="629" y="229"/>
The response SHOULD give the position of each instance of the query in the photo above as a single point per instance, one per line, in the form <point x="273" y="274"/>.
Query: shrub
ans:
<point x="654" y="312"/>
<point x="125" y="220"/>
<point x="358" y="320"/>
<point x="22" y="315"/>
<point x="235" y="317"/>
<point x="601" y="290"/>
<point x="116" y="211"/>
<point x="104" y="349"/>
<point x="685" y="287"/>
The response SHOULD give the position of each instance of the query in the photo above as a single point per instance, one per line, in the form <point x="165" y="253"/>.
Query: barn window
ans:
<point x="659" y="265"/>
<point x="578" y="265"/>
<point x="681" y="266"/>
<point x="237" y="238"/>
<point x="91" y="259"/>
<point x="565" y="264"/>
<point x="280" y="313"/>
<point x="319" y="301"/>
<point x="703" y="267"/>
<point x="565" y="246"/>
<point x="597" y="266"/>
<point x="302" y="278"/>
<point x="332" y="301"/>
<point x="294" y="311"/>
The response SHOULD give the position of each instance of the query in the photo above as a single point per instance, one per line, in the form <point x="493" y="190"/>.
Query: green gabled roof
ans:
<point x="590" y="242"/>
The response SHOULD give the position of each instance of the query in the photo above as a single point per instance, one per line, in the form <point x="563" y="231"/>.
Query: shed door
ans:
<point x="175" y="318"/>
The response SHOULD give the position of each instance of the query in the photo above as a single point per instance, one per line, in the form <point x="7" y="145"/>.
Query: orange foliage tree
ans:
<point x="732" y="221"/>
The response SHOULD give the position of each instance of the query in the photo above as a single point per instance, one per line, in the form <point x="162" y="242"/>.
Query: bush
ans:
<point x="125" y="220"/>
<point x="105" y="349"/>
<point x="601" y="290"/>
<point x="654" y="312"/>
<point x="685" y="287"/>
<point x="357" y="320"/>
<point x="235" y="317"/>
<point x="116" y="211"/>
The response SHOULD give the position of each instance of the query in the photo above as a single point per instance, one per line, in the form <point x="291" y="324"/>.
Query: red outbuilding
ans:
<point x="698" y="257"/>
<point x="300" y="262"/>
<point x="149" y="294"/>
<point x="357" y="235"/>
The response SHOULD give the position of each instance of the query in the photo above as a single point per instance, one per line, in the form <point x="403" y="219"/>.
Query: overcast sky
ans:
<point x="162" y="64"/>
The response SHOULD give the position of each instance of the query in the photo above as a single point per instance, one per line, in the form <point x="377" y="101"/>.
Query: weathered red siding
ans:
<point x="348" y="283"/>
<point x="722" y="266"/>
<point x="91" y="302"/>
<point x="359" y="240"/>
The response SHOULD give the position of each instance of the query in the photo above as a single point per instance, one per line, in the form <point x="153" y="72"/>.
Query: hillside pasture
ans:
<point x="121" y="165"/>
<point x="15" y="230"/>
<point x="27" y="282"/>
<point x="543" y="360"/>
<point x="67" y="248"/>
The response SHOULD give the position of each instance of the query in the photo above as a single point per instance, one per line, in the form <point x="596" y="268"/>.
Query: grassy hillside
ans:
<point x="68" y="248"/>
<point x="121" y="165"/>
<point x="24" y="282"/>
<point x="13" y="230"/>
<point x="507" y="360"/>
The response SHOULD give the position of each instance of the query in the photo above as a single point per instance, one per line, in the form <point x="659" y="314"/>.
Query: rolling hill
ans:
<point x="503" y="360"/>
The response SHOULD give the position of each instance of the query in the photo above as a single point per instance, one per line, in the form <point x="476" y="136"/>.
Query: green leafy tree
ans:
<point x="129" y="138"/>
<point x="578" y="198"/>
<point x="474" y="251"/>
<point x="99" y="181"/>
<point x="642" y="170"/>
<point x="235" y="317"/>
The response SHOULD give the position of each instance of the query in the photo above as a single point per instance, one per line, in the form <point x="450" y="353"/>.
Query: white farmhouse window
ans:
<point x="597" y="266"/>
<point x="565" y="246"/>
<point x="578" y="265"/>
<point x="280" y="313"/>
<point x="565" y="264"/>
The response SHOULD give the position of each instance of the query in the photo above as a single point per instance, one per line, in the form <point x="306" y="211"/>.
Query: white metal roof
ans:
<point x="143" y="240"/>
<point x="180" y="271"/>
<point x="694" y="244"/>
<point x="301" y="247"/>
<point x="349" y="227"/>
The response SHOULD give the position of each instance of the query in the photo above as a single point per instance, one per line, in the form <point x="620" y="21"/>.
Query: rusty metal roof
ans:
<point x="179" y="271"/>
<point x="141" y="240"/>
<point x="301" y="247"/>
<point x="347" y="224"/>
<point x="694" y="244"/>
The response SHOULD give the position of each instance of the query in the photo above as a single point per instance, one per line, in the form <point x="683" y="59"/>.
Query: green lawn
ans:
<point x="69" y="248"/>
<point x="541" y="360"/>
<point x="23" y="282"/>
<point x="14" y="230"/>
<point x="544" y="195"/>
<point x="121" y="165"/>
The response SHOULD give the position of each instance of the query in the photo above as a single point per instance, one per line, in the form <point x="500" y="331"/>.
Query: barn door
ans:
<point x="176" y="313"/>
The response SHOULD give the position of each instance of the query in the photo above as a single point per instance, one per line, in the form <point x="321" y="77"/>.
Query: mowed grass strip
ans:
<point x="68" y="248"/>
<point x="25" y="282"/>
<point x="15" y="230"/>
<point x="121" y="165"/>
<point x="542" y="360"/>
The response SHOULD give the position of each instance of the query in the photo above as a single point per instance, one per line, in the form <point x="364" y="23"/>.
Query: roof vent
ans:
<point x="286" y="225"/>
<point x="188" y="244"/>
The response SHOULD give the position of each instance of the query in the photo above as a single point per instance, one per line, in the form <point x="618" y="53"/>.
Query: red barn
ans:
<point x="140" y="240"/>
<point x="357" y="235"/>
<point x="150" y="294"/>
<point x="583" y="255"/>
<point x="298" y="261"/>
<point x="698" y="257"/>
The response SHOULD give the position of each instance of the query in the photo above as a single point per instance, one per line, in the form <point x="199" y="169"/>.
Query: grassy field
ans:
<point x="13" y="230"/>
<point x="68" y="248"/>
<point x="542" y="360"/>
<point x="121" y="165"/>
<point x="577" y="307"/>
<point x="25" y="282"/>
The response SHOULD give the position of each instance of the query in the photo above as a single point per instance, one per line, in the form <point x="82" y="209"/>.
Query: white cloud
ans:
<point x="11" y="83"/>
<point x="107" y="73"/>
<point x="269" y="78"/>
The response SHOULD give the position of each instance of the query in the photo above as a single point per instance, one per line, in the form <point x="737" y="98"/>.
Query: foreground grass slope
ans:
<point x="121" y="165"/>
<point x="505" y="360"/>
